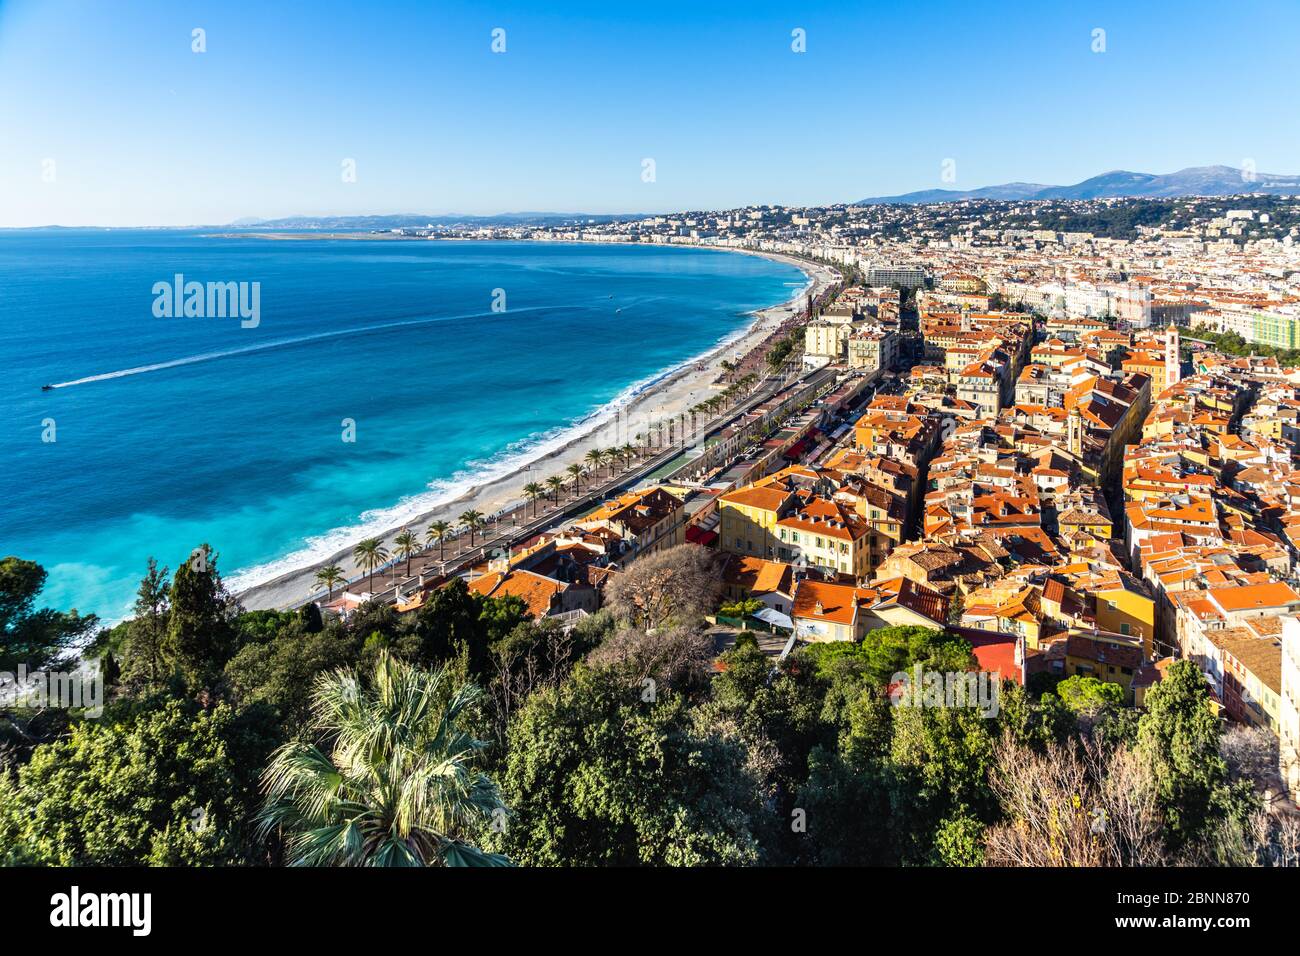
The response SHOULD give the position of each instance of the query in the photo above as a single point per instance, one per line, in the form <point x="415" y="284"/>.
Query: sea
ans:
<point x="363" y="382"/>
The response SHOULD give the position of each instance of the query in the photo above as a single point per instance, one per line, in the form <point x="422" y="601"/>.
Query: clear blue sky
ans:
<point x="143" y="131"/>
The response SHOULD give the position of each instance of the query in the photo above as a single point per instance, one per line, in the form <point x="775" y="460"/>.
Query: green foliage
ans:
<point x="1088" y="695"/>
<point x="201" y="632"/>
<point x="399" y="785"/>
<point x="454" y="619"/>
<point x="959" y="840"/>
<point x="1034" y="725"/>
<point x="259" y="627"/>
<point x="281" y="672"/>
<point x="887" y="651"/>
<point x="36" y="637"/>
<point x="741" y="609"/>
<point x="941" y="757"/>
<point x="598" y="776"/>
<point x="1232" y="343"/>
<point x="172" y="785"/>
<point x="848" y="815"/>
<point x="1179" y="737"/>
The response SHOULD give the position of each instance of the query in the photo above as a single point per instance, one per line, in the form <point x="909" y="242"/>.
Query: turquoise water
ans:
<point x="198" y="429"/>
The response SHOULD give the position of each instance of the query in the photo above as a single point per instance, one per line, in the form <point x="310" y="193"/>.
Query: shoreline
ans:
<point x="662" y="395"/>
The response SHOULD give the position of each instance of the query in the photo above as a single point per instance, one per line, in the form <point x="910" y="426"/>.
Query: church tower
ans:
<point x="1074" y="433"/>
<point x="1173" y="362"/>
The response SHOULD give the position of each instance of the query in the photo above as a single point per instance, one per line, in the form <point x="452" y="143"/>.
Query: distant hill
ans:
<point x="1193" y="181"/>
<point x="420" y="220"/>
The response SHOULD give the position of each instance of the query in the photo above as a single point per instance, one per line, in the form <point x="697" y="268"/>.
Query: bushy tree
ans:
<point x="597" y="774"/>
<point x="201" y="631"/>
<point x="173" y="784"/>
<point x="39" y="638"/>
<point x="281" y="672"/>
<point x="1088" y="695"/>
<point x="1179" y="737"/>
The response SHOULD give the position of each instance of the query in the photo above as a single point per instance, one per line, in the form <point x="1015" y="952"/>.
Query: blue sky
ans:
<point x="143" y="131"/>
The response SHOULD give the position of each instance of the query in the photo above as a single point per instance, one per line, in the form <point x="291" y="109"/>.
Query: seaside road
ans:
<point x="501" y="535"/>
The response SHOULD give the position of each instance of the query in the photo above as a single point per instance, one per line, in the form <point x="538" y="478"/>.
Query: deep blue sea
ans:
<point x="237" y="439"/>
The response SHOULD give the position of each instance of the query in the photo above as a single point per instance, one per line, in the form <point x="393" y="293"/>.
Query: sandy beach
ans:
<point x="673" y="394"/>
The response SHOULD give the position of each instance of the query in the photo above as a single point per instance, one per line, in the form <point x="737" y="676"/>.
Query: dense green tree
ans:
<point x="1034" y="724"/>
<point x="890" y="650"/>
<point x="450" y="619"/>
<point x="785" y="708"/>
<point x="281" y="672"/>
<point x="144" y="656"/>
<point x="1179" y="736"/>
<point x="1088" y="695"/>
<point x="597" y="774"/>
<point x="940" y="758"/>
<point x="173" y="784"/>
<point x="201" y="630"/>
<point x="959" y="840"/>
<point x="847" y="815"/>
<point x="39" y="638"/>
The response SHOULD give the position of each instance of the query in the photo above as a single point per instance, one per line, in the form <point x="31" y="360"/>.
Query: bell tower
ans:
<point x="1173" y="362"/>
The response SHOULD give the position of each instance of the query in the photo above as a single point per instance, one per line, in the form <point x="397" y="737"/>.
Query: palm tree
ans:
<point x="555" y="483"/>
<point x="594" y="459"/>
<point x="575" y="471"/>
<point x="473" y="520"/>
<point x="611" y="456"/>
<point x="438" y="531"/>
<point x="399" y="785"/>
<point x="370" y="554"/>
<point x="629" y="453"/>
<point x="329" y="576"/>
<point x="407" y="545"/>
<point x="534" y="491"/>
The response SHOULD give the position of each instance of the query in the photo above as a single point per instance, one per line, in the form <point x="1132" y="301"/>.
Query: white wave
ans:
<point x="284" y="343"/>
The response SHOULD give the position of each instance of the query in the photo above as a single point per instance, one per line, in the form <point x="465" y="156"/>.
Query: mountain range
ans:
<point x="1193" y="181"/>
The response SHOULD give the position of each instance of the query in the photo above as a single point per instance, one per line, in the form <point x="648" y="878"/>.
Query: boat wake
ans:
<point x="280" y="344"/>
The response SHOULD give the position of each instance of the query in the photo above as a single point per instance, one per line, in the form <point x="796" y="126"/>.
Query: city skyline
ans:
<point x="118" y="120"/>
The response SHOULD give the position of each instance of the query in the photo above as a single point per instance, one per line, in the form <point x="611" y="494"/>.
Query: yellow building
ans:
<point x="1082" y="527"/>
<point x="822" y="535"/>
<point x="1123" y="607"/>
<point x="1150" y="364"/>
<point x="748" y="515"/>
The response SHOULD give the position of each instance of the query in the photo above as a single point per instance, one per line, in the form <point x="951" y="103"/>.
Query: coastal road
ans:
<point x="516" y="526"/>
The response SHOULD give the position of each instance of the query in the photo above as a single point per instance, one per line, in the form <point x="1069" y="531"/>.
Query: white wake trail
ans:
<point x="283" y="343"/>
